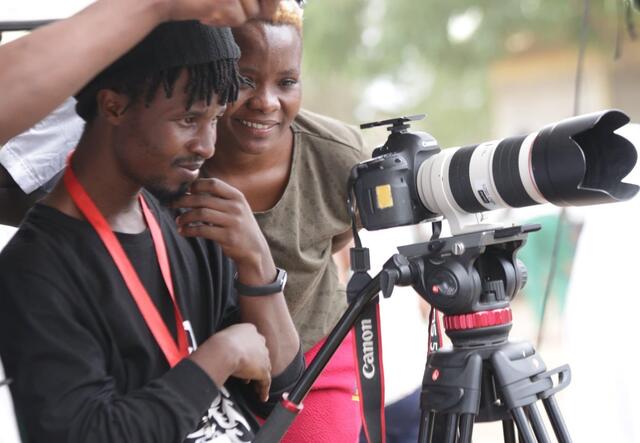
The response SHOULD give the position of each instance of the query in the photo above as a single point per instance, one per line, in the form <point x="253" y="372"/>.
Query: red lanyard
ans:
<point x="172" y="351"/>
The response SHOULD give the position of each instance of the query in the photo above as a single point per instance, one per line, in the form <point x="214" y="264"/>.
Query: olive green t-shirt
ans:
<point x="301" y="226"/>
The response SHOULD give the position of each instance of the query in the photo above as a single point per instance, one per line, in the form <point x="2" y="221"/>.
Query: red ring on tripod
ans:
<point x="289" y="405"/>
<point x="474" y="320"/>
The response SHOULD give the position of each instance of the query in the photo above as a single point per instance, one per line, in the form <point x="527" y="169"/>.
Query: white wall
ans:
<point x="601" y="326"/>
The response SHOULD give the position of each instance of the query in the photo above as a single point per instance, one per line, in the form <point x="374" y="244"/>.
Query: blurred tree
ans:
<point x="373" y="59"/>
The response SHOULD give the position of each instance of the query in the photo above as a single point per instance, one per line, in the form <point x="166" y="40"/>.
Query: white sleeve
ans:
<point x="36" y="156"/>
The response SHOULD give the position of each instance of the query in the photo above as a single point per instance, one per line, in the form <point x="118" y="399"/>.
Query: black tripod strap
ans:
<point x="367" y="348"/>
<point x="368" y="351"/>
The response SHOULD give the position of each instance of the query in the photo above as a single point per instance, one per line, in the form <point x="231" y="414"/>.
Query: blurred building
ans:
<point x="531" y="90"/>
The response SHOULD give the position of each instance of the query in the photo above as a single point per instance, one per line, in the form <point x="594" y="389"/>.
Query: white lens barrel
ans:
<point x="433" y="184"/>
<point x="481" y="176"/>
<point x="526" y="170"/>
<point x="484" y="177"/>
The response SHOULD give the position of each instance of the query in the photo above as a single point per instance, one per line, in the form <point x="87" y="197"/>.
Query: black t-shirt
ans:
<point x="84" y="363"/>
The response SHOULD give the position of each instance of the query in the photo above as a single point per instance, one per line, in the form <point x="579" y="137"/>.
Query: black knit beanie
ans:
<point x="171" y="45"/>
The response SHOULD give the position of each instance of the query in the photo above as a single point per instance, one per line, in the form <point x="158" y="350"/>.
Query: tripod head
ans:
<point x="470" y="277"/>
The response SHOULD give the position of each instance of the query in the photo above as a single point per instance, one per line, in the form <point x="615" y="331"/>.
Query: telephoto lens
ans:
<point x="575" y="162"/>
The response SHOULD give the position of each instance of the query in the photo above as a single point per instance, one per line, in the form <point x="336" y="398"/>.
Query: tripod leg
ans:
<point x="452" y="428"/>
<point x="526" y="436"/>
<point x="537" y="424"/>
<point x="427" y="422"/>
<point x="508" y="432"/>
<point x="466" y="428"/>
<point x="555" y="417"/>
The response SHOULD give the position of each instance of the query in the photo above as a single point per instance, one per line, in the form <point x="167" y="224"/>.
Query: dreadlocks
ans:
<point x="220" y="77"/>
<point x="208" y="54"/>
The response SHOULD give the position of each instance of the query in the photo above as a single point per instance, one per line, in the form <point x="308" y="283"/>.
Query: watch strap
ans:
<point x="271" y="288"/>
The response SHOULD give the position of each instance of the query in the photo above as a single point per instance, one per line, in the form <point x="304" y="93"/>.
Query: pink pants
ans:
<point x="331" y="411"/>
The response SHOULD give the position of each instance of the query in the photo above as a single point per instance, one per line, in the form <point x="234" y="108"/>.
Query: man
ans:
<point x="41" y="70"/>
<point x="101" y="299"/>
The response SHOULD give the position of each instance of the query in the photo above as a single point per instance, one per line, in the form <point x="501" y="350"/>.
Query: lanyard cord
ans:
<point x="172" y="351"/>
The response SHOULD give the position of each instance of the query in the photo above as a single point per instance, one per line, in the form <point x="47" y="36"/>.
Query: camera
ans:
<point x="575" y="162"/>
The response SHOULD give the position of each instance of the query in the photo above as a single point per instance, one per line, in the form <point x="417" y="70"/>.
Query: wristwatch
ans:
<point x="268" y="289"/>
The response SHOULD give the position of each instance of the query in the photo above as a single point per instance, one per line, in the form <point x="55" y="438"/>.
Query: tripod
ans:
<point x="471" y="278"/>
<point x="490" y="383"/>
<point x="484" y="377"/>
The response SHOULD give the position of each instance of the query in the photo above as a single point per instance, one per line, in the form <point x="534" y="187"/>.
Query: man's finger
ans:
<point x="251" y="8"/>
<point x="214" y="186"/>
<point x="207" y="217"/>
<point x="201" y="200"/>
<point x="263" y="386"/>
<point x="268" y="8"/>
<point x="232" y="14"/>
<point x="214" y="233"/>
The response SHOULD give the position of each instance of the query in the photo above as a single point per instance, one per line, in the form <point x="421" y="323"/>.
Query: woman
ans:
<point x="292" y="166"/>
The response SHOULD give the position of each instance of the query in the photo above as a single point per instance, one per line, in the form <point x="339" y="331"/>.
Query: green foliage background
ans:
<point x="350" y="43"/>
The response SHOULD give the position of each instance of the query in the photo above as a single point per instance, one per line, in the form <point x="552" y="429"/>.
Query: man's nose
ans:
<point x="204" y="145"/>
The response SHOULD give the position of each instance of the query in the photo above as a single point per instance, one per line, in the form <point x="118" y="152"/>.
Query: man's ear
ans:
<point x="112" y="105"/>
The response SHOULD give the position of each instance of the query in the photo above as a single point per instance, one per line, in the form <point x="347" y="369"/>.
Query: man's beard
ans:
<point x="165" y="195"/>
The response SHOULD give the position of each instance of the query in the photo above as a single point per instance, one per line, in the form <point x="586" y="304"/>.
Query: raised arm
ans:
<point x="39" y="71"/>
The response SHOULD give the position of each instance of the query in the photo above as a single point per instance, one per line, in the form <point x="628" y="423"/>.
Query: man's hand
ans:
<point x="221" y="12"/>
<point x="238" y="351"/>
<point x="217" y="211"/>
